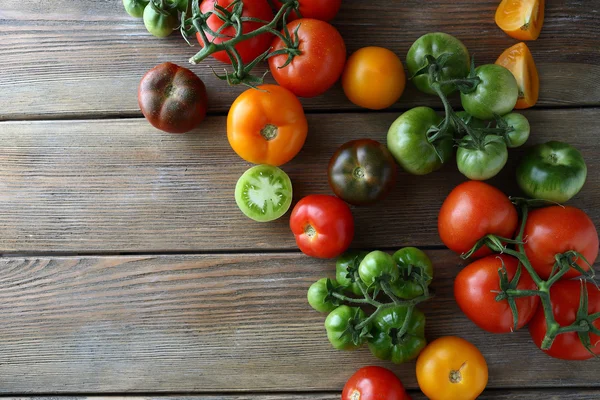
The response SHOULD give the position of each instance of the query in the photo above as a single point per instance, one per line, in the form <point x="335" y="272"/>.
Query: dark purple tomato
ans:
<point x="362" y="172"/>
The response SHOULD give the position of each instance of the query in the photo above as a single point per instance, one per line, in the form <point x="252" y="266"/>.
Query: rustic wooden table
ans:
<point x="127" y="268"/>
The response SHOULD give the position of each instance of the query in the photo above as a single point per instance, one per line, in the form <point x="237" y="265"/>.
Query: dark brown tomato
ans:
<point x="362" y="172"/>
<point x="172" y="98"/>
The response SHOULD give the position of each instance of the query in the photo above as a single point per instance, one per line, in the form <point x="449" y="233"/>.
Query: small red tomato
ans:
<point x="472" y="210"/>
<point x="172" y="98"/>
<point x="325" y="10"/>
<point x="319" y="64"/>
<point x="555" y="230"/>
<point x="374" y="383"/>
<point x="249" y="49"/>
<point x="565" y="296"/>
<point x="323" y="226"/>
<point x="476" y="288"/>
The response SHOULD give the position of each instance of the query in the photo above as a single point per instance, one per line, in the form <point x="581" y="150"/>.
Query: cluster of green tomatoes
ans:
<point x="422" y="141"/>
<point x="373" y="301"/>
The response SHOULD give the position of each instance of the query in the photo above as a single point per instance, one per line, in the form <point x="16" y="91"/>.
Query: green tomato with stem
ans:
<point x="388" y="342"/>
<point x="416" y="270"/>
<point x="341" y="329"/>
<point x="135" y="8"/>
<point x="519" y="129"/>
<point x="408" y="142"/>
<point x="319" y="295"/>
<point x="378" y="267"/>
<point x="160" y="23"/>
<point x="445" y="48"/>
<point x="553" y="171"/>
<point x="346" y="270"/>
<point x="496" y="93"/>
<point x="482" y="161"/>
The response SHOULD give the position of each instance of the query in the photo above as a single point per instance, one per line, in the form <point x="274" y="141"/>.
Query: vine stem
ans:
<point x="211" y="47"/>
<point x="553" y="328"/>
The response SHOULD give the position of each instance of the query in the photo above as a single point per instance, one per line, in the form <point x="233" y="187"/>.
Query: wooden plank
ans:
<point x="527" y="394"/>
<point x="210" y="323"/>
<point x="78" y="58"/>
<point x="121" y="186"/>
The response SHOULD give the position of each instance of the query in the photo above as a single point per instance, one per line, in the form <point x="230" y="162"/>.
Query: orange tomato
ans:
<point x="521" y="19"/>
<point x="267" y="126"/>
<point x="373" y="78"/>
<point x="450" y="368"/>
<point x="519" y="61"/>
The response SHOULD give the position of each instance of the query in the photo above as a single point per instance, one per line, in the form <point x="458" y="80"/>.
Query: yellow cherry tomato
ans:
<point x="373" y="78"/>
<point x="451" y="368"/>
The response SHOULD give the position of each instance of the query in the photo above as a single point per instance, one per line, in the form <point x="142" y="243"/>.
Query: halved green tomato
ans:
<point x="264" y="193"/>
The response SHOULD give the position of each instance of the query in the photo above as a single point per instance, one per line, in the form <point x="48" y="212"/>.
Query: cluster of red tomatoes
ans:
<point x="475" y="209"/>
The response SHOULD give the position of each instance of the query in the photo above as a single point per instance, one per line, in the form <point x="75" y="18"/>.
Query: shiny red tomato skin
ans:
<point x="324" y="10"/>
<point x="323" y="226"/>
<point x="320" y="64"/>
<point x="565" y="296"/>
<point x="374" y="383"/>
<point x="476" y="287"/>
<point x="172" y="98"/>
<point x="472" y="210"/>
<point x="248" y="49"/>
<point x="555" y="230"/>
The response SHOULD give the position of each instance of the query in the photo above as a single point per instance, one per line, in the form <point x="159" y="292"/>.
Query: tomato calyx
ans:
<point x="564" y="262"/>
<point x="163" y="7"/>
<point x="269" y="132"/>
<point x="292" y="45"/>
<point x="455" y="375"/>
<point x="310" y="231"/>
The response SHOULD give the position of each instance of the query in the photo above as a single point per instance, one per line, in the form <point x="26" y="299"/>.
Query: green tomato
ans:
<point x="553" y="171"/>
<point x="485" y="162"/>
<point x="341" y="327"/>
<point x="436" y="44"/>
<point x="264" y="193"/>
<point x="160" y="23"/>
<point x="319" y="295"/>
<point x="346" y="268"/>
<point x="389" y="343"/>
<point x="520" y="129"/>
<point x="378" y="266"/>
<point x="407" y="141"/>
<point x="496" y="94"/>
<point x="182" y="5"/>
<point x="415" y="268"/>
<point x="135" y="8"/>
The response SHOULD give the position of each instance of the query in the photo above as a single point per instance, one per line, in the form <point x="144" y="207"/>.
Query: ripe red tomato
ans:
<point x="248" y="49"/>
<point x="565" y="296"/>
<point x="556" y="230"/>
<point x="323" y="226"/>
<point x="472" y="210"/>
<point x="476" y="288"/>
<point x="325" y="10"/>
<point x="172" y="98"/>
<point x="374" y="383"/>
<point x="320" y="63"/>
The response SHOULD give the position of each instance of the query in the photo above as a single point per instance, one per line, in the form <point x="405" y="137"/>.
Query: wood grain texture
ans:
<point x="212" y="323"/>
<point x="85" y="58"/>
<point x="121" y="186"/>
<point x="527" y="394"/>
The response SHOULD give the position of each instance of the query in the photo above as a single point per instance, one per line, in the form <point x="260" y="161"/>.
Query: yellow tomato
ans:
<point x="451" y="368"/>
<point x="373" y="78"/>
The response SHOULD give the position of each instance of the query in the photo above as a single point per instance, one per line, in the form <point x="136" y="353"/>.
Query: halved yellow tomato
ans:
<point x="521" y="19"/>
<point x="519" y="61"/>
